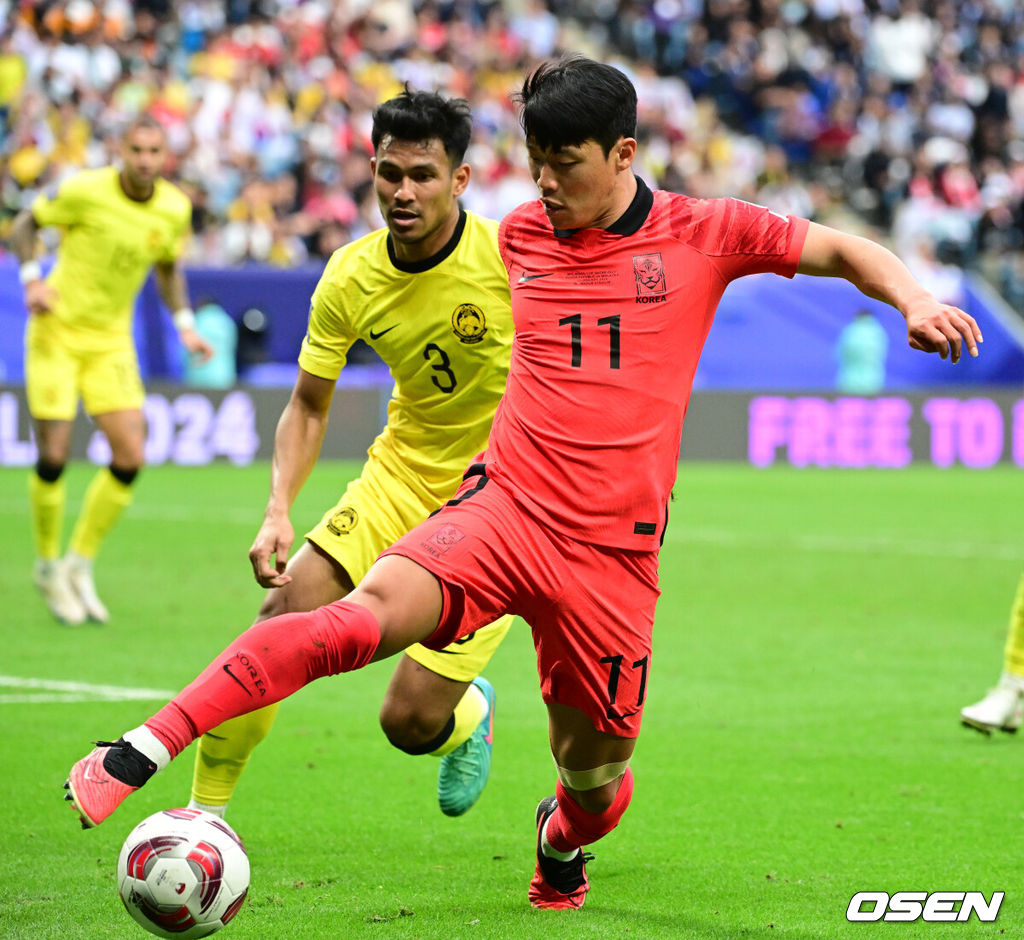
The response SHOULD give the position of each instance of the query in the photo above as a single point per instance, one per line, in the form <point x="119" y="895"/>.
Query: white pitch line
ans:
<point x="56" y="690"/>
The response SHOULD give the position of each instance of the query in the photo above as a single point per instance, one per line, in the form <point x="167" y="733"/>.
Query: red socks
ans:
<point x="267" y="663"/>
<point x="570" y="826"/>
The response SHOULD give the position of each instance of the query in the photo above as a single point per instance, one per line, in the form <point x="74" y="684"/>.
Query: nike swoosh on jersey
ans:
<point x="524" y="277"/>
<point x="375" y="335"/>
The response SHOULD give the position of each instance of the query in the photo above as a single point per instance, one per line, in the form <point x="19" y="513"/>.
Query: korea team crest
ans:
<point x="469" y="323"/>
<point x="443" y="539"/>
<point x="650" y="276"/>
<point x="343" y="521"/>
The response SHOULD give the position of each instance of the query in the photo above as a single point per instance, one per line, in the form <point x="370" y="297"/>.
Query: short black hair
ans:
<point x="575" y="99"/>
<point x="419" y="116"/>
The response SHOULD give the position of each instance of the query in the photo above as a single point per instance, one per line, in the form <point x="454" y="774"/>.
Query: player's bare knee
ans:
<point x="404" y="725"/>
<point x="395" y="720"/>
<point x="53" y="442"/>
<point x="410" y="727"/>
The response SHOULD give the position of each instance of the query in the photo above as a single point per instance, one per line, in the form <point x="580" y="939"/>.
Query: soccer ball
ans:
<point x="182" y="873"/>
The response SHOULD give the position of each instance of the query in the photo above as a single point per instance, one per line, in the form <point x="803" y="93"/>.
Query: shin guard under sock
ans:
<point x="570" y="826"/>
<point x="267" y="663"/>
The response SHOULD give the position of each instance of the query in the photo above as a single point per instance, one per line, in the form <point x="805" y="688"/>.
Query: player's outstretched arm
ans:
<point x="297" y="441"/>
<point x="170" y="281"/>
<point x="874" y="270"/>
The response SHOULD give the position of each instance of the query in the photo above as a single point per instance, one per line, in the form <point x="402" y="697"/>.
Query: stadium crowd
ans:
<point x="903" y="117"/>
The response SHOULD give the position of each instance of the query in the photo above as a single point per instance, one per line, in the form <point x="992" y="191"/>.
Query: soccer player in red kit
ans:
<point x="614" y="288"/>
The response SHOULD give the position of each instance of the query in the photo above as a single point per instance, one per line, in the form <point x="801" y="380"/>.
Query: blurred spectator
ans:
<point x="900" y="39"/>
<point x="778" y="190"/>
<point x="939" y="267"/>
<point x="860" y="352"/>
<point x="908" y="113"/>
<point x="215" y="326"/>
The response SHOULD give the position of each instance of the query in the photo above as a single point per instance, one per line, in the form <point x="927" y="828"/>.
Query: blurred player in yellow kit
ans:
<point x="430" y="294"/>
<point x="1002" y="709"/>
<point x="116" y="224"/>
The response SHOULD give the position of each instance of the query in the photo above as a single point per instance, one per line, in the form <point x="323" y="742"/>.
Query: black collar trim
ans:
<point x="630" y="221"/>
<point x="418" y="267"/>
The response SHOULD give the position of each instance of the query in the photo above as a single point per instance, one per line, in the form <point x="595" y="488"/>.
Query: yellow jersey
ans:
<point x="108" y="244"/>
<point x="444" y="328"/>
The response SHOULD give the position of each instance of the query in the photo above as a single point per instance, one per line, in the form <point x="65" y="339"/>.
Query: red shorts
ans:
<point x="591" y="608"/>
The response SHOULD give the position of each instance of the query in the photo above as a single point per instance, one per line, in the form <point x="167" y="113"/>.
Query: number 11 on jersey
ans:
<point x="575" y="324"/>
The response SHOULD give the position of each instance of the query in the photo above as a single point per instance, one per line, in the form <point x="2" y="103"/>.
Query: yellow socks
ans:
<point x="223" y="753"/>
<point x="471" y="710"/>
<point x="105" y="500"/>
<point x="1014" y="653"/>
<point x="47" y="502"/>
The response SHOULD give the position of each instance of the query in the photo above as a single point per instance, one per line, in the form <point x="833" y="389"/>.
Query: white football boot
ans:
<point x="1001" y="710"/>
<point x="79" y="575"/>
<point x="51" y="579"/>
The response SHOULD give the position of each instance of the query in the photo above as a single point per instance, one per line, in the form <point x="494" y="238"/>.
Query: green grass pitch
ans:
<point x="817" y="635"/>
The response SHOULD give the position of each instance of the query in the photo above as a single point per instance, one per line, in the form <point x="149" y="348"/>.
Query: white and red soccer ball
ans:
<point x="183" y="873"/>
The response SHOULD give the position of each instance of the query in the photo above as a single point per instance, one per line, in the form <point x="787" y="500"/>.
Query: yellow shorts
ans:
<point x="59" y="369"/>
<point x="374" y="513"/>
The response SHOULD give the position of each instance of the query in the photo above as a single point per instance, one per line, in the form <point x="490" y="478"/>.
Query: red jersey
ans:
<point x="609" y="325"/>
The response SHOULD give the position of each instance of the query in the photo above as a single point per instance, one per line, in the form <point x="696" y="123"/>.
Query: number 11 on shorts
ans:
<point x="614" y="673"/>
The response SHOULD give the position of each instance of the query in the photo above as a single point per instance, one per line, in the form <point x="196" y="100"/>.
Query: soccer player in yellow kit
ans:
<point x="116" y="224"/>
<point x="1002" y="709"/>
<point x="430" y="294"/>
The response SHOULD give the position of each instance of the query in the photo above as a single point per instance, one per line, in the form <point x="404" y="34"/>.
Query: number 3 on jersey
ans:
<point x="445" y="379"/>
